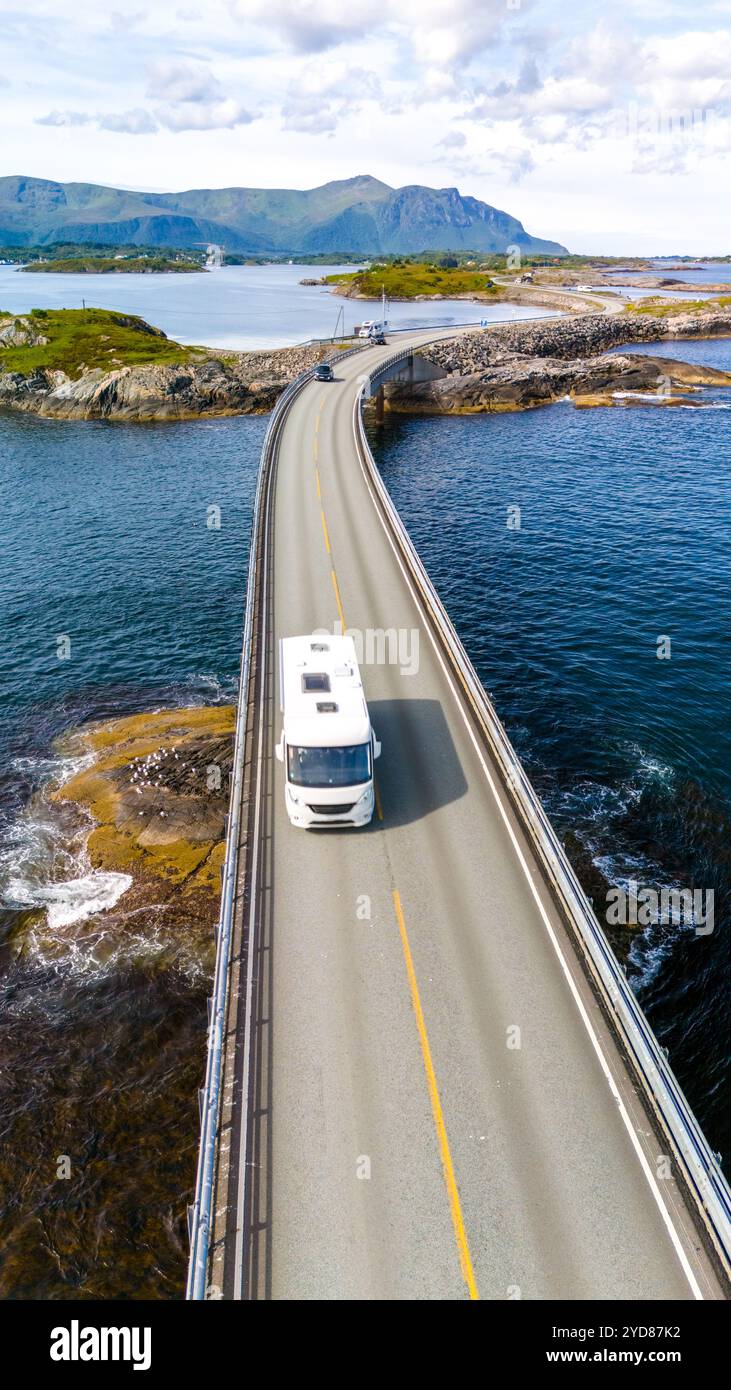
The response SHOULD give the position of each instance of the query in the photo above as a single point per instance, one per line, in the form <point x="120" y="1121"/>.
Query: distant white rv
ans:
<point x="370" y="328"/>
<point x="327" y="744"/>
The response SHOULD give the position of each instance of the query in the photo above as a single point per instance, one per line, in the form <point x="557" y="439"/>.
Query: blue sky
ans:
<point x="605" y="127"/>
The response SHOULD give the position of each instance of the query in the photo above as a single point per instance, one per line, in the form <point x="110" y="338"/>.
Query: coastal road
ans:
<point x="435" y="1106"/>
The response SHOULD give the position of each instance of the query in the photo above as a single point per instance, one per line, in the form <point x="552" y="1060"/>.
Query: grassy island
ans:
<point x="113" y="265"/>
<point x="408" y="280"/>
<point x="78" y="340"/>
<point x="659" y="308"/>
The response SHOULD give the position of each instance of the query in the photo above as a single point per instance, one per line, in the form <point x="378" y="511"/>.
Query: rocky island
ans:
<point x="97" y="364"/>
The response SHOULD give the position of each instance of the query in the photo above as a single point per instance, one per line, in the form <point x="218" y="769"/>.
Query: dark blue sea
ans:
<point x="625" y="537"/>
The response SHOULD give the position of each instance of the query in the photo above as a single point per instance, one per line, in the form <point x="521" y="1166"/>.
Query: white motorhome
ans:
<point x="370" y="328"/>
<point x="327" y="744"/>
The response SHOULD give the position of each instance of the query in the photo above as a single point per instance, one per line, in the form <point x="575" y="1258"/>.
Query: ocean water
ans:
<point x="625" y="538"/>
<point x="703" y="273"/>
<point x="262" y="306"/>
<point x="102" y="1035"/>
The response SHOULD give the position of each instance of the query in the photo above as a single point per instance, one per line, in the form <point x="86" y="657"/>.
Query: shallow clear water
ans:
<point x="260" y="306"/>
<point x="625" y="537"/>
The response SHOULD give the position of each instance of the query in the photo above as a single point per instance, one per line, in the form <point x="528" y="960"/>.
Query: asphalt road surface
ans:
<point x="430" y="1110"/>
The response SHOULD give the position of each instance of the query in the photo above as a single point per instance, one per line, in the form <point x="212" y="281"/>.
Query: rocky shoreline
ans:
<point x="513" y="366"/>
<point x="154" y="799"/>
<point x="229" y="383"/>
<point x="520" y="366"/>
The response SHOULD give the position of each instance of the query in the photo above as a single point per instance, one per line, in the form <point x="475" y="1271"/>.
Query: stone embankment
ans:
<point x="570" y="338"/>
<point x="516" y="366"/>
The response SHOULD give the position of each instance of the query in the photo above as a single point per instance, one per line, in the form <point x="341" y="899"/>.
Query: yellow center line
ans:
<point x="436" y="1105"/>
<point x="324" y="532"/>
<point x="337" y="600"/>
<point x="333" y="575"/>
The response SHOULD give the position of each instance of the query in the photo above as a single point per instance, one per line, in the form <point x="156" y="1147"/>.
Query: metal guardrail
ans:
<point x="696" y="1160"/>
<point x="427" y="327"/>
<point x="200" y="1214"/>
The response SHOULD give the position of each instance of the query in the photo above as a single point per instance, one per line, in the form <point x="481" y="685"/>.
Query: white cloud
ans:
<point x="513" y="164"/>
<point x="438" y="32"/>
<point x="322" y="95"/>
<point x="136" y="122"/>
<point x="214" y="115"/>
<point x="453" y="140"/>
<point x="63" y="118"/>
<point x="170" y="80"/>
<point x="306" y="25"/>
<point x="121" y="23"/>
<point x="690" y="56"/>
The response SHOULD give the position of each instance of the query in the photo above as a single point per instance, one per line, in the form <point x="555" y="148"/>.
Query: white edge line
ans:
<point x="665" y="1214"/>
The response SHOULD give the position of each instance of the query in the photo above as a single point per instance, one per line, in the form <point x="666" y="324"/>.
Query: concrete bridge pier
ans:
<point x="407" y="370"/>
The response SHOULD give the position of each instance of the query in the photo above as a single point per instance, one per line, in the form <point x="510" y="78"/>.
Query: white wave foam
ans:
<point x="44" y="863"/>
<point x="54" y="770"/>
<point x="74" y="899"/>
<point x="211" y="689"/>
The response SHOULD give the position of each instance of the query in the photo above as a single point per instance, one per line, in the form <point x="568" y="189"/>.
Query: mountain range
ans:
<point x="359" y="215"/>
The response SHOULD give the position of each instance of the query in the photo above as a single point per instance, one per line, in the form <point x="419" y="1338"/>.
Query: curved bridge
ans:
<point x="427" y="1077"/>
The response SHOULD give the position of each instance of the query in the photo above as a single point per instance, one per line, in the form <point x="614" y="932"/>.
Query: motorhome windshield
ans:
<point x="329" y="767"/>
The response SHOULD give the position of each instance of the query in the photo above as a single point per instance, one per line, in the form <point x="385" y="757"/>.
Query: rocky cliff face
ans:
<point x="237" y="384"/>
<point x="523" y="382"/>
<point x="510" y="367"/>
<point x="517" y="366"/>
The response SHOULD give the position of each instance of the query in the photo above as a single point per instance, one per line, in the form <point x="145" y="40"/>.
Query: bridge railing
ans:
<point x="696" y="1161"/>
<point x="200" y="1213"/>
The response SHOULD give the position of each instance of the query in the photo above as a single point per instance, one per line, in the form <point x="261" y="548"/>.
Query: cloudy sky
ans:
<point x="606" y="127"/>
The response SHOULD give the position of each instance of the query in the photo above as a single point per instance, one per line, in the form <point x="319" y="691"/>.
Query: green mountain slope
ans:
<point x="359" y="214"/>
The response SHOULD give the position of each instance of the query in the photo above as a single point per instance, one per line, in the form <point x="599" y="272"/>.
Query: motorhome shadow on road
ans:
<point x="330" y="739"/>
<point x="420" y="770"/>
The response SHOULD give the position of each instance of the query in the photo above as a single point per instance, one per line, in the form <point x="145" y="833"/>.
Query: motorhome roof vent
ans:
<point x="315" y="681"/>
<point x="319" y="647"/>
<point x="326" y="707"/>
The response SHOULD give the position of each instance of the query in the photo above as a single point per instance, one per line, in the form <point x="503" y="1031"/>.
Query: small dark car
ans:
<point x="324" y="372"/>
<point x="378" y="339"/>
